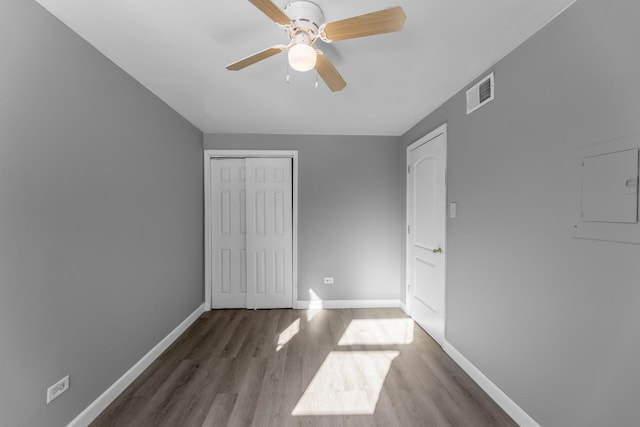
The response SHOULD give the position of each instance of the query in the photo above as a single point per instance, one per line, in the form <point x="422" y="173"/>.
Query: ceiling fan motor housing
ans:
<point x="305" y="16"/>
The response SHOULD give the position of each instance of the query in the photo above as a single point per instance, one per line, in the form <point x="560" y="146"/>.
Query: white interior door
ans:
<point x="228" y="232"/>
<point x="269" y="233"/>
<point x="426" y="218"/>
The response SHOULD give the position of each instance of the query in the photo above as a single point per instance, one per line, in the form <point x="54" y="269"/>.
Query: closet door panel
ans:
<point x="269" y="233"/>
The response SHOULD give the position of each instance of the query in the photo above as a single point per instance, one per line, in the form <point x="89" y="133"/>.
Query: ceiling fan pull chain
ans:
<point x="288" y="77"/>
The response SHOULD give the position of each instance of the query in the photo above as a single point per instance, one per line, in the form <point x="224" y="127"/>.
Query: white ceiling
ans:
<point x="178" y="49"/>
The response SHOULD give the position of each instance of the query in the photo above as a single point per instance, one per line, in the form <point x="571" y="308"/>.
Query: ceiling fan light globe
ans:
<point x="302" y="57"/>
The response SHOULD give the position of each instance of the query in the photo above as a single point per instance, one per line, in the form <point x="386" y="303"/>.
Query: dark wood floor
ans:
<point x="365" y="367"/>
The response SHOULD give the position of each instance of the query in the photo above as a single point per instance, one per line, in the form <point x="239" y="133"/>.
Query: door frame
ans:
<point x="235" y="154"/>
<point x="441" y="130"/>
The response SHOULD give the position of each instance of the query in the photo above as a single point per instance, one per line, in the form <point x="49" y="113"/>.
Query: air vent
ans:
<point x="480" y="94"/>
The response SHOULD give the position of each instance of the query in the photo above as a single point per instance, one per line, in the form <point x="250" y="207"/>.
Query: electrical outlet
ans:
<point x="57" y="389"/>
<point x="328" y="280"/>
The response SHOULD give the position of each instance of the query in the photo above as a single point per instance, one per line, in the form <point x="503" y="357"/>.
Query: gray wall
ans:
<point x="350" y="210"/>
<point x="551" y="320"/>
<point x="100" y="218"/>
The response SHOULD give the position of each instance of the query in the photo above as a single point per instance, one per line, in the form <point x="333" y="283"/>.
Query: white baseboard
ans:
<point x="351" y="303"/>
<point x="510" y="407"/>
<point x="94" y="409"/>
<point x="403" y="307"/>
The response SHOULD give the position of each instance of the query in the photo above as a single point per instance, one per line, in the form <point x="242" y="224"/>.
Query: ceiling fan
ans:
<point x="304" y="23"/>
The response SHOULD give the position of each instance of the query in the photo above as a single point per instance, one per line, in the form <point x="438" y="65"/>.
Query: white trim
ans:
<point x="351" y="303"/>
<point x="510" y="407"/>
<point x="403" y="307"/>
<point x="210" y="154"/>
<point x="207" y="231"/>
<point x="100" y="404"/>
<point x="441" y="130"/>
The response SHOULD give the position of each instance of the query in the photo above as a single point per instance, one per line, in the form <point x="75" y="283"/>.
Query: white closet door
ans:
<point x="269" y="233"/>
<point x="228" y="234"/>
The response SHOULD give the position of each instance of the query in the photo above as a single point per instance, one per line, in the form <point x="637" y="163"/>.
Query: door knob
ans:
<point x="437" y="251"/>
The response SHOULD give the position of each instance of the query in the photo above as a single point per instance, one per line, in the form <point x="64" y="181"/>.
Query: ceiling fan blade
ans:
<point x="256" y="57"/>
<point x="382" y="21"/>
<point x="272" y="11"/>
<point x="329" y="74"/>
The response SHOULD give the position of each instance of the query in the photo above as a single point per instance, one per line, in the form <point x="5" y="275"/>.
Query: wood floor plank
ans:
<point x="220" y="410"/>
<point x="269" y="406"/>
<point x="204" y="394"/>
<point x="312" y="368"/>
<point x="245" y="407"/>
<point x="237" y="337"/>
<point x="161" y="401"/>
<point x="269" y="335"/>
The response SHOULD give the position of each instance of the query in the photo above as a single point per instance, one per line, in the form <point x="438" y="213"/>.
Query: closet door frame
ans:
<point x="231" y="154"/>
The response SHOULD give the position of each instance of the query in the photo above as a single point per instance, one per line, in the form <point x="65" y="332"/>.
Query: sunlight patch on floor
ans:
<point x="286" y="335"/>
<point x="312" y="312"/>
<point x="347" y="383"/>
<point x="378" y="332"/>
<point x="315" y="305"/>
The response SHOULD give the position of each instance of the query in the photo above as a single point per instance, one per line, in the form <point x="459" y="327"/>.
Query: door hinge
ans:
<point x="409" y="169"/>
<point x="408" y="229"/>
